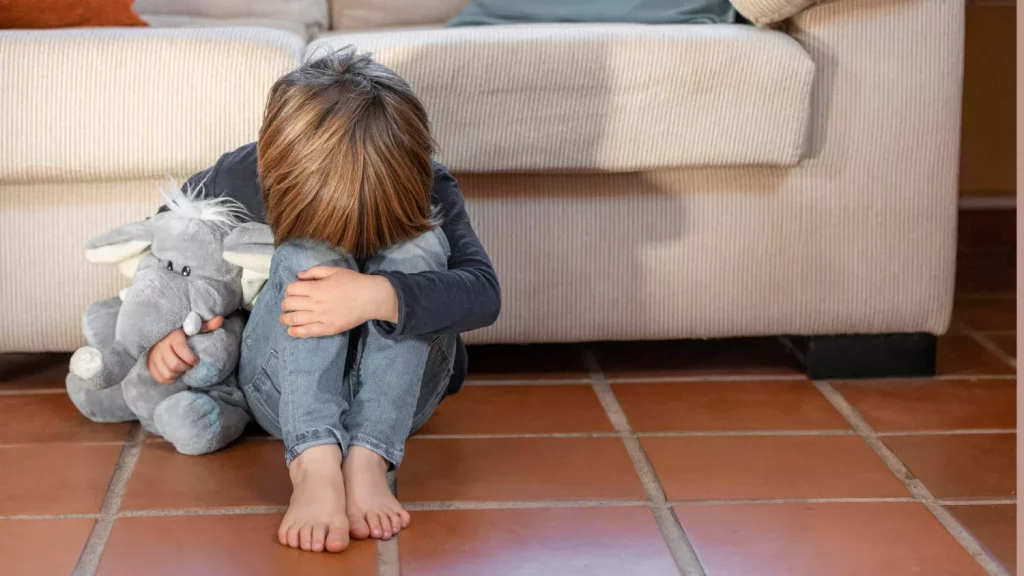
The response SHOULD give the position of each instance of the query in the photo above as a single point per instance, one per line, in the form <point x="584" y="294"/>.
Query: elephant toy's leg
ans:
<point x="199" y="422"/>
<point x="101" y="370"/>
<point x="217" y="353"/>
<point x="98" y="325"/>
<point x="142" y="394"/>
<point x="98" y="405"/>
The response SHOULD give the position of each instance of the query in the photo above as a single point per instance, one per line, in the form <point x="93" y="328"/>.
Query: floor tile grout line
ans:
<point x="580" y="381"/>
<point x="678" y="543"/>
<point x="977" y="501"/>
<point x="784" y="501"/>
<point x="989" y="345"/>
<point x="666" y="379"/>
<point x="92" y="552"/>
<point x="682" y="379"/>
<point x="914" y="485"/>
<point x="16" y="517"/>
<point x="388" y="563"/>
<point x="710" y="434"/>
<point x="424" y="506"/>
<point x="514" y="436"/>
<point x="4" y="445"/>
<point x="960" y="432"/>
<point x="31" y="392"/>
<point x="449" y="505"/>
<point x="213" y="511"/>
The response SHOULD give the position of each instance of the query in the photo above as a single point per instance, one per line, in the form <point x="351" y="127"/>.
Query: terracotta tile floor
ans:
<point x="696" y="458"/>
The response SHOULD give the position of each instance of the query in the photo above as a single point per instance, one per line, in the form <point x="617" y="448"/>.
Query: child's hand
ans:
<point x="171" y="357"/>
<point x="327" y="301"/>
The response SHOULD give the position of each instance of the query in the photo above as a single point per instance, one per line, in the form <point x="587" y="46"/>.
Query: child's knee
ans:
<point x="296" y="256"/>
<point x="425" y="253"/>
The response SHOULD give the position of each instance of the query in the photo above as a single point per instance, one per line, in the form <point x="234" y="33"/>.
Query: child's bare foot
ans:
<point x="373" y="511"/>
<point x="316" y="519"/>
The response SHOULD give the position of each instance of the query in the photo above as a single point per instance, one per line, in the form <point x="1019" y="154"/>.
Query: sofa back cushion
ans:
<point x="312" y="14"/>
<point x="354" y="15"/>
<point x="132" y="103"/>
<point x="604" y="97"/>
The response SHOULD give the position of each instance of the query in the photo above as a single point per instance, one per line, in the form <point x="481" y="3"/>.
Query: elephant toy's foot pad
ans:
<point x="86" y="363"/>
<point x="196" y="423"/>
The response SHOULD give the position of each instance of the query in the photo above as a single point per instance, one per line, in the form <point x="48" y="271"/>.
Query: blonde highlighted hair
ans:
<point x="344" y="156"/>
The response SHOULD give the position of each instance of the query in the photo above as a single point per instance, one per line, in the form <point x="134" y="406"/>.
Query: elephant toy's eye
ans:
<point x="170" y="266"/>
<point x="185" y="271"/>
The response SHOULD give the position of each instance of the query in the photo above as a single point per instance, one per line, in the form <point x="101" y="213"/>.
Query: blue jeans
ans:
<point x="356" y="388"/>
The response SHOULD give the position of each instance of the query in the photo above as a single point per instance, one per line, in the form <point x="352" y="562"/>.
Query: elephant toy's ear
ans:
<point x="250" y="246"/>
<point x="123" y="246"/>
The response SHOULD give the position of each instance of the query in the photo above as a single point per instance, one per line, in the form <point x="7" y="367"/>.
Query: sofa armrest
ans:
<point x="765" y="12"/>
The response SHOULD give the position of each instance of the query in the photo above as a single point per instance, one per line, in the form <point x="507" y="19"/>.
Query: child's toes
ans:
<point x="373" y="520"/>
<point x="404" y="517"/>
<point x="337" y="538"/>
<point x="396" y="523"/>
<point x="385" y="526"/>
<point x="319" y="536"/>
<point x="282" y="534"/>
<point x="293" y="536"/>
<point x="306" y="537"/>
<point x="359" y="529"/>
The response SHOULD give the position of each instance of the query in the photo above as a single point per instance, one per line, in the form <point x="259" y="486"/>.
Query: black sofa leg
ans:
<point x="867" y="356"/>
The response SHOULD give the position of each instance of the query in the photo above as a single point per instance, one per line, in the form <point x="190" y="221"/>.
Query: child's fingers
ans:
<point x="296" y="303"/>
<point x="183" y="352"/>
<point x="158" y="368"/>
<point x="298" y="318"/>
<point x="313" y="330"/>
<point x="317" y="273"/>
<point x="175" y="366"/>
<point x="299" y="288"/>
<point x="212" y="324"/>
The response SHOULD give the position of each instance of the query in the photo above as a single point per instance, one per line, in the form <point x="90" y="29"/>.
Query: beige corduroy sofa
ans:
<point x="630" y="182"/>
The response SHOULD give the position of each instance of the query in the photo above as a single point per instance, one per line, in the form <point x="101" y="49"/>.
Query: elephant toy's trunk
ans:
<point x="193" y="324"/>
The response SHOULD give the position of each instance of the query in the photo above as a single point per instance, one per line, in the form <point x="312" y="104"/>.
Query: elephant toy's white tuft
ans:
<point x="86" y="362"/>
<point x="190" y="203"/>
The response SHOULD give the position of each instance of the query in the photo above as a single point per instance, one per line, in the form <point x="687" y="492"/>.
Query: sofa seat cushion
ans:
<point x="123" y="103"/>
<point x="602" y="97"/>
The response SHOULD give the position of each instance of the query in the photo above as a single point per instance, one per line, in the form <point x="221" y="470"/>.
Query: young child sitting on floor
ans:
<point x="353" y="341"/>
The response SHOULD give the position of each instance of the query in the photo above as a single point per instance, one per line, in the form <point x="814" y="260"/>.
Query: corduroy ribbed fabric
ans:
<point x="126" y="103"/>
<point x="617" y="98"/>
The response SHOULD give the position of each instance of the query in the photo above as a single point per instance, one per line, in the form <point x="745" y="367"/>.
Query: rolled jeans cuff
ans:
<point x="393" y="456"/>
<point x="315" y="437"/>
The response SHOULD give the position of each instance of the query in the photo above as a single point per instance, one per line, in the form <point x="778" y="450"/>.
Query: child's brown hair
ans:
<point x="344" y="156"/>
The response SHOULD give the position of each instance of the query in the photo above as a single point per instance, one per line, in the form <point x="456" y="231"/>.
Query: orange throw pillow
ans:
<point x="67" y="13"/>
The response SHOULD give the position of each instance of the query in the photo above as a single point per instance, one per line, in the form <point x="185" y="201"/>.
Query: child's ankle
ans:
<point x="366" y="457"/>
<point x="321" y="457"/>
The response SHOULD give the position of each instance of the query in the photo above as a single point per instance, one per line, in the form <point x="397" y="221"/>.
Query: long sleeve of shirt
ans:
<point x="465" y="297"/>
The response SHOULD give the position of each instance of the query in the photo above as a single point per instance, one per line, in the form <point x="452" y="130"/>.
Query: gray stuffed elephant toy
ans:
<point x="187" y="264"/>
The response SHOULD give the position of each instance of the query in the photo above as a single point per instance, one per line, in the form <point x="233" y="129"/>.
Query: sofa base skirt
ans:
<point x="846" y="357"/>
<point x="709" y="253"/>
<point x="45" y="281"/>
<point x="712" y="253"/>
